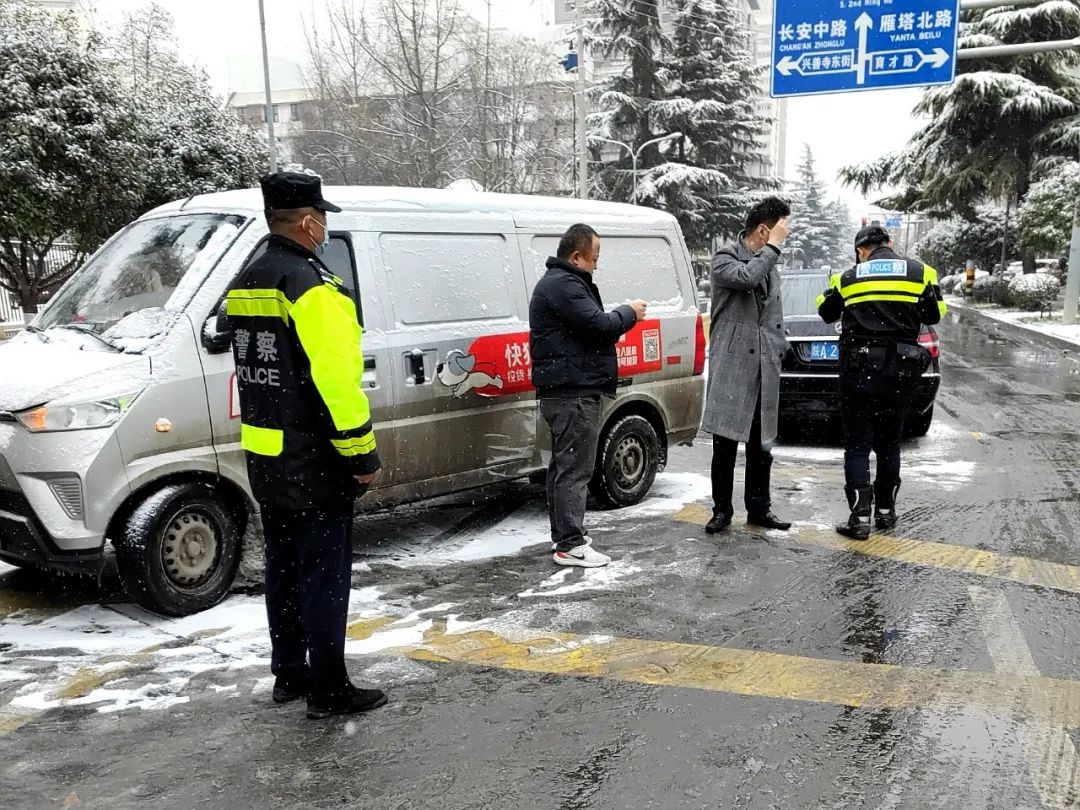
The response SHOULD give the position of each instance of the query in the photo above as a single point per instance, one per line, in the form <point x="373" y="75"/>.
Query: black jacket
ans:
<point x="305" y="421"/>
<point x="571" y="337"/>
<point x="887" y="296"/>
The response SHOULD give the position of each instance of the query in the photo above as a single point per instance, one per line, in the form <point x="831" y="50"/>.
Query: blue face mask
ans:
<point x="320" y="248"/>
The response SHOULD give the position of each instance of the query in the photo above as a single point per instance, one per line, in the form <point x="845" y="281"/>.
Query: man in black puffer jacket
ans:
<point x="572" y="341"/>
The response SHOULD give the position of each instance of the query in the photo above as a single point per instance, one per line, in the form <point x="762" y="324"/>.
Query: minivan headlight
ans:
<point x="75" y="416"/>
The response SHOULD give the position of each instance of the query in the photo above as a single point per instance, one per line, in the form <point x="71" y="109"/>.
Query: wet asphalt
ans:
<point x="935" y="669"/>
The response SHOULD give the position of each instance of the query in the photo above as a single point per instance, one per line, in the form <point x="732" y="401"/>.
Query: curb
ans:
<point x="1016" y="329"/>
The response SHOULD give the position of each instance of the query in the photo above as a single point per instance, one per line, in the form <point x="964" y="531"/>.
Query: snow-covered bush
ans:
<point x="991" y="290"/>
<point x="950" y="283"/>
<point x="1034" y="292"/>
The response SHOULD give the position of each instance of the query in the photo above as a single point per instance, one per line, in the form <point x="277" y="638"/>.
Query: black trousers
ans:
<point x="308" y="578"/>
<point x="758" y="491"/>
<point x="873" y="408"/>
<point x="575" y="431"/>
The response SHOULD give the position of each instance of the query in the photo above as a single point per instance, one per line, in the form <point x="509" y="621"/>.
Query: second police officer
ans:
<point x="307" y="432"/>
<point x="882" y="301"/>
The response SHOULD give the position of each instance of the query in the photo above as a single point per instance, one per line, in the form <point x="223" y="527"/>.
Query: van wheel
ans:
<point x="627" y="463"/>
<point x="179" y="550"/>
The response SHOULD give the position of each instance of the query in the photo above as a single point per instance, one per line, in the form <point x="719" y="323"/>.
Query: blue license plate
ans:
<point x="825" y="350"/>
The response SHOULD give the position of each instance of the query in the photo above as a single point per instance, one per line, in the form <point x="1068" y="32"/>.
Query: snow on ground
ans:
<point x="592" y="579"/>
<point x="101" y="644"/>
<point x="1030" y="320"/>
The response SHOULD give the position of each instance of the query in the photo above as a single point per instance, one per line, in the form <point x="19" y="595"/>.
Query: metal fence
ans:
<point x="10" y="312"/>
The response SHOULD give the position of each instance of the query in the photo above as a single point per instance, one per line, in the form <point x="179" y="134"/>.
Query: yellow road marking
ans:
<point x="14" y="717"/>
<point x="758" y="674"/>
<point x="1049" y="749"/>
<point x="15" y="601"/>
<point x="1024" y="570"/>
<point x="366" y="628"/>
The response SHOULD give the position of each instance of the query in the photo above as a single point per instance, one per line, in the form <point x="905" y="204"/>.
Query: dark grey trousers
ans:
<point x="575" y="431"/>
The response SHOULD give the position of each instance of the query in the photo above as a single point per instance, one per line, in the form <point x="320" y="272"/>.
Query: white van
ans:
<point x="119" y="419"/>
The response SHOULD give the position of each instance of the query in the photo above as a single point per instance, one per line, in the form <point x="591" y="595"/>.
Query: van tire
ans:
<point x="627" y="463"/>
<point x="155" y="574"/>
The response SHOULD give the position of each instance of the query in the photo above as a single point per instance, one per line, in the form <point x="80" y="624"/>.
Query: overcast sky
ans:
<point x="223" y="37"/>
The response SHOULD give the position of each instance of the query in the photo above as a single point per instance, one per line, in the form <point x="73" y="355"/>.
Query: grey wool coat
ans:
<point x="746" y="342"/>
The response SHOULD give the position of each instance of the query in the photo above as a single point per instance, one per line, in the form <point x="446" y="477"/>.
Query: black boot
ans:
<point x="885" y="504"/>
<point x="720" y="522"/>
<point x="351" y="701"/>
<point x="857" y="526"/>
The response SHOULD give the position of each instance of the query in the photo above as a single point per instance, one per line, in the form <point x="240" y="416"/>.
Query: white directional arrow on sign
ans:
<point x="787" y="65"/>
<point x="863" y="25"/>
<point x="938" y="58"/>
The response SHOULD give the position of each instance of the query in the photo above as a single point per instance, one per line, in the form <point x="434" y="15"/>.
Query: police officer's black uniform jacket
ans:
<point x="886" y="298"/>
<point x="306" y="423"/>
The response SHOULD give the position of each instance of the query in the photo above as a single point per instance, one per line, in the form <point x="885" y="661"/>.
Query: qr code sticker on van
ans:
<point x="650" y="343"/>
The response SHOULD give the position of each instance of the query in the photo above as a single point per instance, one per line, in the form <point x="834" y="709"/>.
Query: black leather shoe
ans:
<point x="286" y="691"/>
<point x="353" y="701"/>
<point x="720" y="522"/>
<point x="768" y="521"/>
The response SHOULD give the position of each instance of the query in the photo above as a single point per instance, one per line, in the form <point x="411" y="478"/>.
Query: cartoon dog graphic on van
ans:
<point x="461" y="373"/>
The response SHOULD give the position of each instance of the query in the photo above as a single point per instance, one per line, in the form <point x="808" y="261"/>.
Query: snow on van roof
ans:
<point x="391" y="199"/>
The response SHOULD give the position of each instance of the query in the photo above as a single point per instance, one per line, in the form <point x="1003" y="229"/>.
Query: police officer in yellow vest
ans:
<point x="883" y="302"/>
<point x="307" y="433"/>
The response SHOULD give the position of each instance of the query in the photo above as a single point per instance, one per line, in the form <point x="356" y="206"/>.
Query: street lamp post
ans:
<point x="636" y="155"/>
<point x="269" y="98"/>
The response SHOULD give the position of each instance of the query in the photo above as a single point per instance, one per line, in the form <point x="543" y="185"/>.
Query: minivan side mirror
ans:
<point x="216" y="336"/>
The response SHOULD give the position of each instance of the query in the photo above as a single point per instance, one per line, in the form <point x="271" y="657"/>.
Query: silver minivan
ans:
<point x="119" y="420"/>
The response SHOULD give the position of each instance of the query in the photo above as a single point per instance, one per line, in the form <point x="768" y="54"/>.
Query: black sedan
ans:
<point x="809" y="376"/>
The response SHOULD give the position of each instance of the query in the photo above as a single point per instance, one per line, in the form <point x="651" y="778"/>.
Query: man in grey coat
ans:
<point x="746" y="346"/>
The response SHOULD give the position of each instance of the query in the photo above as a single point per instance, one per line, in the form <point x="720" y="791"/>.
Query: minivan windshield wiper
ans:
<point x="88" y="329"/>
<point x="37" y="330"/>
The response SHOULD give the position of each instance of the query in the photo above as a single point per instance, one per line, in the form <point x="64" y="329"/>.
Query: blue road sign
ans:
<point x="893" y="222"/>
<point x="839" y="46"/>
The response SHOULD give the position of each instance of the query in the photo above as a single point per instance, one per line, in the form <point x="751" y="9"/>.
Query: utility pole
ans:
<point x="581" y="104"/>
<point x="1072" y="283"/>
<point x="269" y="98"/>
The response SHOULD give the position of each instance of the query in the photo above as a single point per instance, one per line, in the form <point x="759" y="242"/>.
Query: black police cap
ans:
<point x="872" y="235"/>
<point x="284" y="190"/>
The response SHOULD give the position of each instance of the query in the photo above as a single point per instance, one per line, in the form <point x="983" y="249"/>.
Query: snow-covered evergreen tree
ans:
<point x="988" y="132"/>
<point x="1048" y="211"/>
<point x="813" y="235"/>
<point x="70" y="162"/>
<point x="86" y="146"/>
<point x="842" y="234"/>
<point x="955" y="240"/>
<point x="193" y="143"/>
<point x="693" y="76"/>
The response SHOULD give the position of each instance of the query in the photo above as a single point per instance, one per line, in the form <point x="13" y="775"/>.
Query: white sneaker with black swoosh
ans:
<point x="581" y="557"/>
<point x="555" y="544"/>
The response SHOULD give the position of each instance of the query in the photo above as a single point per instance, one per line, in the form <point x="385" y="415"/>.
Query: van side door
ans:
<point x="464" y="407"/>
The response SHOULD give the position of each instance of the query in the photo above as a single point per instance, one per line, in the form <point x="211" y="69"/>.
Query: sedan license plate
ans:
<point x="825" y="350"/>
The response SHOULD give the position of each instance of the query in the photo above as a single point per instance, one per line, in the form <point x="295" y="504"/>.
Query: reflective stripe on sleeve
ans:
<point x="262" y="441"/>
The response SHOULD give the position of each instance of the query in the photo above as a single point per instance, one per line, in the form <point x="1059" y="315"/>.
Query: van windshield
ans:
<point x="130" y="292"/>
